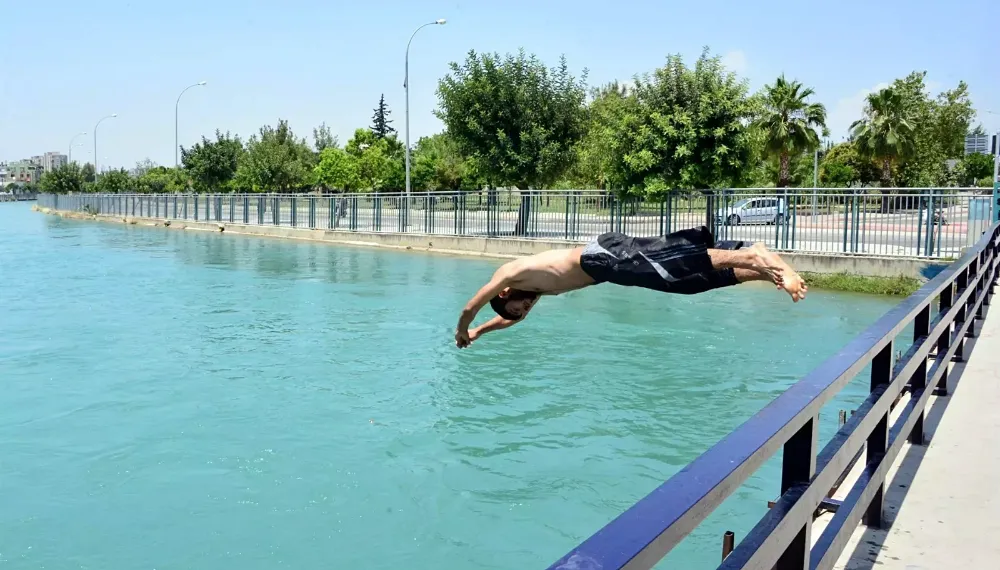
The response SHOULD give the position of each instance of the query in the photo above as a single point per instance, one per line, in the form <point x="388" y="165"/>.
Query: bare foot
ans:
<point x="781" y="274"/>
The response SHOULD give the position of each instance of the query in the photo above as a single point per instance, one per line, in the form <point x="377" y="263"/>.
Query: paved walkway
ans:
<point x="945" y="514"/>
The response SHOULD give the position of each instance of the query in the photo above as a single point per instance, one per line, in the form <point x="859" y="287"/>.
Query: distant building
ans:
<point x="982" y="144"/>
<point x="24" y="171"/>
<point x="53" y="160"/>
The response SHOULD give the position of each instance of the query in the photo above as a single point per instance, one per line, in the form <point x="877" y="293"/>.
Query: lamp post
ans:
<point x="111" y="116"/>
<point x="70" y="159"/>
<point x="406" y="87"/>
<point x="176" y="107"/>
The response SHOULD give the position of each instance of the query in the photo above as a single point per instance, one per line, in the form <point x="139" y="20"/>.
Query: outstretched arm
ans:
<point x="501" y="279"/>
<point x="494" y="324"/>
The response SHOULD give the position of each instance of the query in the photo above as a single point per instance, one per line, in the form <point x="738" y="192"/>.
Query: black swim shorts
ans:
<point x="674" y="263"/>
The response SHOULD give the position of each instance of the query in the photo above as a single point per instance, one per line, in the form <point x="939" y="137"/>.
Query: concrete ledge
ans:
<point x="508" y="248"/>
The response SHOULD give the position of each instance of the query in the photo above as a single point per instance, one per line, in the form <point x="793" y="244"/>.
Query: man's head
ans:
<point x="513" y="304"/>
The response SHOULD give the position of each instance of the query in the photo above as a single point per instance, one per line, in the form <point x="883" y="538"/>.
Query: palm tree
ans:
<point x="789" y="123"/>
<point x="885" y="133"/>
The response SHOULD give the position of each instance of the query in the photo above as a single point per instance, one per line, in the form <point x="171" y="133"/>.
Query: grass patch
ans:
<point x="899" y="286"/>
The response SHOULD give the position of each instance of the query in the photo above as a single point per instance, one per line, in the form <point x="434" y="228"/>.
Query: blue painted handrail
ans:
<point x="646" y="532"/>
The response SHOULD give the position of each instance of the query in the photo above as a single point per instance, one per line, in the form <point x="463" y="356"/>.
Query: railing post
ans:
<point x="312" y="212"/>
<point x="331" y="211"/>
<point x="944" y="341"/>
<point x="962" y="283"/>
<point x="377" y="211"/>
<point x="798" y="465"/>
<point x="878" y="441"/>
<point x="276" y="211"/>
<point x="847" y="210"/>
<point x="855" y="222"/>
<point x="196" y="207"/>
<point x="295" y="212"/>
<point x="918" y="381"/>
<point x="246" y="209"/>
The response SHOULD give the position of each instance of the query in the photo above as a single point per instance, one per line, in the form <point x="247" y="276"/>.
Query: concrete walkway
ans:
<point x="942" y="504"/>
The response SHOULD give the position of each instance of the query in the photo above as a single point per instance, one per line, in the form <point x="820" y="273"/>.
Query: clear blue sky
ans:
<point x="67" y="64"/>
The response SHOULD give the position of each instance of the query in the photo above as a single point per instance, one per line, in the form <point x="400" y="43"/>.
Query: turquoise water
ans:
<point x="194" y="400"/>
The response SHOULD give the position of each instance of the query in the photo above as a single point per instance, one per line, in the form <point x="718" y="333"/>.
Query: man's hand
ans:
<point x="463" y="338"/>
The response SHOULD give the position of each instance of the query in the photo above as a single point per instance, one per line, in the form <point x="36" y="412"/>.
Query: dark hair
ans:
<point x="499" y="304"/>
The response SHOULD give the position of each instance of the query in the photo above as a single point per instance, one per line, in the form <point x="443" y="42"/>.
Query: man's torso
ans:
<point x="551" y="272"/>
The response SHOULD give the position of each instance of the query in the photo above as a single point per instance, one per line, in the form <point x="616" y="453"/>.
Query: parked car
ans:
<point x="761" y="210"/>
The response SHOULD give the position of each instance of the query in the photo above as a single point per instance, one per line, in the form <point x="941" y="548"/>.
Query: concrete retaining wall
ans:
<point x="506" y="248"/>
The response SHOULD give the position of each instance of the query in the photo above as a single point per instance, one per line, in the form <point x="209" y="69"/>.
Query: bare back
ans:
<point x="550" y="272"/>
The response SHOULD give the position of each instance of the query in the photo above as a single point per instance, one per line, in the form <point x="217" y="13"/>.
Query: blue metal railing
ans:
<point x="943" y="313"/>
<point x="928" y="223"/>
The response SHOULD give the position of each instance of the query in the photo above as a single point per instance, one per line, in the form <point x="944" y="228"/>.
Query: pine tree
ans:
<point x="381" y="121"/>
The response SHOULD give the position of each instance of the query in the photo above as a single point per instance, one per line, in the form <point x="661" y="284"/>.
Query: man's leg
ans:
<point x="757" y="262"/>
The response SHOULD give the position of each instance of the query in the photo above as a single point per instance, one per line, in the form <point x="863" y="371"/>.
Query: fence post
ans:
<point x="330" y="213"/>
<point x="710" y="201"/>
<point x="878" y="441"/>
<point x="962" y="284"/>
<point x="195" y="207"/>
<point x="312" y="212"/>
<point x="944" y="341"/>
<point x="795" y="216"/>
<point x="918" y="381"/>
<point x="798" y="465"/>
<point x="929" y="244"/>
<point x="377" y="211"/>
<point x="295" y="212"/>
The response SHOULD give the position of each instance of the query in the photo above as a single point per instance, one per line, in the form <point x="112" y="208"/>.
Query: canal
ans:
<point x="179" y="399"/>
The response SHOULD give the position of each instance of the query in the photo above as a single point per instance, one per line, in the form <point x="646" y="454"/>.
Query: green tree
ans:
<point x="275" y="161"/>
<point x="939" y="127"/>
<point x="373" y="155"/>
<point x="789" y="123"/>
<point x="63" y="180"/>
<point x="380" y="120"/>
<point x="973" y="170"/>
<point x="114" y="182"/>
<point x="213" y="164"/>
<point x="515" y="119"/>
<point x="842" y="167"/>
<point x="438" y="165"/>
<point x="323" y="139"/>
<point x="599" y="162"/>
<point x="160" y="179"/>
<point x="689" y="129"/>
<point x="88" y="173"/>
<point x="338" y="169"/>
<point x="886" y="132"/>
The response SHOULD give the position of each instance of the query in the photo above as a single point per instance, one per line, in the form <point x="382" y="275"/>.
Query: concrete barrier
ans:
<point x="508" y="248"/>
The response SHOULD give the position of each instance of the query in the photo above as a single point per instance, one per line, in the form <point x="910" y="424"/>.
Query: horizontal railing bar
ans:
<point x="834" y="537"/>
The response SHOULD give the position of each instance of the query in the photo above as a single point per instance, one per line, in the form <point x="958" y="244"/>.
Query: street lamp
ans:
<point x="111" y="116"/>
<point x="406" y="86"/>
<point x="70" y="159"/>
<point x="176" y="106"/>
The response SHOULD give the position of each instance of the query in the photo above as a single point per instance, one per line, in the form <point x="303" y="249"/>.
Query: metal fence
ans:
<point x="941" y="315"/>
<point x="934" y="223"/>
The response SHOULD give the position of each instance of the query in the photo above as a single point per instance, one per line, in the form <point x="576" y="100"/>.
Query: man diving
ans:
<point x="685" y="262"/>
